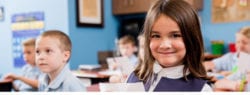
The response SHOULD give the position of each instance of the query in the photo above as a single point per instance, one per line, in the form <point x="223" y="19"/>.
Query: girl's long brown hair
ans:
<point x="186" y="18"/>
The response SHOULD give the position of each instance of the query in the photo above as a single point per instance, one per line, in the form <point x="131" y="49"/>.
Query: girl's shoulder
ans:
<point x="133" y="78"/>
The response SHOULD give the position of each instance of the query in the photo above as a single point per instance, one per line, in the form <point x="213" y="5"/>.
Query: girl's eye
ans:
<point x="155" y="36"/>
<point x="176" y="35"/>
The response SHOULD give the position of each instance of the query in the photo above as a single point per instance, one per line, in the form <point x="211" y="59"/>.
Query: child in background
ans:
<point x="119" y="78"/>
<point x="228" y="62"/>
<point x="53" y="51"/>
<point x="173" y="49"/>
<point x="30" y="73"/>
<point x="233" y="81"/>
<point x="127" y="48"/>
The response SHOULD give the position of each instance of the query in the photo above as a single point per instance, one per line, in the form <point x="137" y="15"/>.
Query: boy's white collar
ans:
<point x="170" y="72"/>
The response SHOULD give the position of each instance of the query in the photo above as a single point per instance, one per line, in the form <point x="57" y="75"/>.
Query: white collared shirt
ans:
<point x="226" y="63"/>
<point x="31" y="72"/>
<point x="172" y="73"/>
<point x="64" y="81"/>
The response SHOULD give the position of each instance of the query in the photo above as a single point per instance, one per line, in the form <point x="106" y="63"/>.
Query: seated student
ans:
<point x="119" y="78"/>
<point x="127" y="48"/>
<point x="173" y="49"/>
<point x="227" y="62"/>
<point x="53" y="51"/>
<point x="30" y="73"/>
<point x="243" y="45"/>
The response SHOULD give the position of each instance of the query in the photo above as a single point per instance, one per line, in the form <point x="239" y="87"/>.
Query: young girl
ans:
<point x="173" y="49"/>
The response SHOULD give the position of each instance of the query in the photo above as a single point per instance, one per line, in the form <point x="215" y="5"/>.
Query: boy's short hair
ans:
<point x="127" y="39"/>
<point x="29" y="42"/>
<point x="65" y="43"/>
<point x="245" y="31"/>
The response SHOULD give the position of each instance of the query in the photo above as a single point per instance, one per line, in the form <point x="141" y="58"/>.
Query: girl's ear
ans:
<point x="66" y="55"/>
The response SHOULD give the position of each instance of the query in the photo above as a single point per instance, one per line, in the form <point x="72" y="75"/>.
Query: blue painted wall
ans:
<point x="219" y="31"/>
<point x="56" y="17"/>
<point x="87" y="41"/>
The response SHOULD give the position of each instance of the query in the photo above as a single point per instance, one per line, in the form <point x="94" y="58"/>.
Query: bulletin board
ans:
<point x="230" y="11"/>
<point x="24" y="26"/>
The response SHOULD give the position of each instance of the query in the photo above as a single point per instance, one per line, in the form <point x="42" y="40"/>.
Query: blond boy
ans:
<point x="53" y="51"/>
<point x="131" y="44"/>
<point x="127" y="48"/>
<point x="30" y="73"/>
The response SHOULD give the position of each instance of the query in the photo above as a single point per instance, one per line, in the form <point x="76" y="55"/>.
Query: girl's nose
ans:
<point x="166" y="44"/>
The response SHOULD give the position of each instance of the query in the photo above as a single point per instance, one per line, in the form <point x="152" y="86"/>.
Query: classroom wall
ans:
<point x="87" y="41"/>
<point x="56" y="17"/>
<point x="219" y="31"/>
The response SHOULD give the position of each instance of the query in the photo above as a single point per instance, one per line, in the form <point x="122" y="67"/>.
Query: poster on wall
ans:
<point x="24" y="26"/>
<point x="230" y="11"/>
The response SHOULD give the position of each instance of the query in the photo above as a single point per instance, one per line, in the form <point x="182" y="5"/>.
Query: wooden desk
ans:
<point x="94" y="76"/>
<point x="5" y="85"/>
<point x="222" y="90"/>
<point x="208" y="57"/>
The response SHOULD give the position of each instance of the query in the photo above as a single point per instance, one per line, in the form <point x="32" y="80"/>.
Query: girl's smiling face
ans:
<point x="166" y="42"/>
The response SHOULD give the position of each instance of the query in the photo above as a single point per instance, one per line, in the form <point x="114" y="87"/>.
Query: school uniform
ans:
<point x="29" y="72"/>
<point x="226" y="63"/>
<point x="65" y="81"/>
<point x="171" y="79"/>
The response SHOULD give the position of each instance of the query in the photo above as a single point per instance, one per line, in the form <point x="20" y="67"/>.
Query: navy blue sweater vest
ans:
<point x="167" y="84"/>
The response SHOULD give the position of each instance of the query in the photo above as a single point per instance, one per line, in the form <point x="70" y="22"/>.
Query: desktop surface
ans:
<point x="5" y="85"/>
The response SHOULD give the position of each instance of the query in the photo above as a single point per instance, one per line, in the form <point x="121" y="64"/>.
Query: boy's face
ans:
<point x="242" y="43"/>
<point x="29" y="55"/>
<point x="127" y="49"/>
<point x="50" y="58"/>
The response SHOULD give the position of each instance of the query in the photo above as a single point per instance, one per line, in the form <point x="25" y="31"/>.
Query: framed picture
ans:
<point x="89" y="13"/>
<point x="1" y="14"/>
